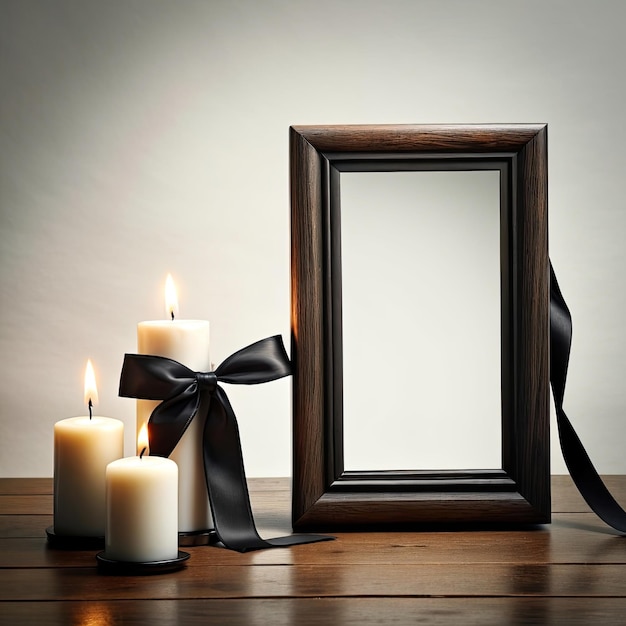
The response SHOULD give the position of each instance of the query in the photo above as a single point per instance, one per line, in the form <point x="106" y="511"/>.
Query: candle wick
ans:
<point x="143" y="452"/>
<point x="90" y="405"/>
<point x="172" y="314"/>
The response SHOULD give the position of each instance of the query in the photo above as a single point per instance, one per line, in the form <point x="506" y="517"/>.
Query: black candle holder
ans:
<point x="132" y="568"/>
<point x="206" y="537"/>
<point x="73" y="542"/>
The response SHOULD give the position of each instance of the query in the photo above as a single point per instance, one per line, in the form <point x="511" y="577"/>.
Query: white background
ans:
<point x="141" y="137"/>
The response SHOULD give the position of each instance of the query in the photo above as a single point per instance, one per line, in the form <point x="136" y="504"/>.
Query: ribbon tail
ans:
<point x="586" y="478"/>
<point x="580" y="467"/>
<point x="226" y="483"/>
<point x="170" y="419"/>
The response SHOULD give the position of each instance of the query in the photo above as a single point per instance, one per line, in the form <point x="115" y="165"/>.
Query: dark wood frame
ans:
<point x="324" y="495"/>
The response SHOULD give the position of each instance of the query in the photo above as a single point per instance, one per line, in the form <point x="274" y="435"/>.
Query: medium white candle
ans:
<point x="141" y="509"/>
<point x="83" y="447"/>
<point x="185" y="341"/>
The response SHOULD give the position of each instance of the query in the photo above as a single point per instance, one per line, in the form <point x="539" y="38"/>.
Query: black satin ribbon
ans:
<point x="580" y="467"/>
<point x="186" y="395"/>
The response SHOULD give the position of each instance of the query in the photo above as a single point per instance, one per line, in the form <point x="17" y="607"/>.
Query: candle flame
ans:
<point x="142" y="439"/>
<point x="91" y="391"/>
<point x="171" y="297"/>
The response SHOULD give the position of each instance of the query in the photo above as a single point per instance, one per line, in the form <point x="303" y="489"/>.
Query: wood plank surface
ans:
<point x="573" y="538"/>
<point x="25" y="486"/>
<point x="313" y="581"/>
<point x="572" y="571"/>
<point x="322" y="612"/>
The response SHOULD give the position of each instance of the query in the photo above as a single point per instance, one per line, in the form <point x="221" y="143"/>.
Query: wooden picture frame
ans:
<point x="327" y="497"/>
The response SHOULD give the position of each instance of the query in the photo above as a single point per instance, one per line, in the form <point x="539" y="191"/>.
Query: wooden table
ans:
<point x="570" y="572"/>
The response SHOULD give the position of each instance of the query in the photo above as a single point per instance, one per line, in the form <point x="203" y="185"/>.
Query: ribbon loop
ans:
<point x="261" y="362"/>
<point x="182" y="393"/>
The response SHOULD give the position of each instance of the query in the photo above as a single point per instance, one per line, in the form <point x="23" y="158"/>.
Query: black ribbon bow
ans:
<point x="186" y="394"/>
<point x="580" y="467"/>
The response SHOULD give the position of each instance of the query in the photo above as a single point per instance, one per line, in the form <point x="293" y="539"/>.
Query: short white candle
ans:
<point x="141" y="509"/>
<point x="185" y="341"/>
<point x="83" y="447"/>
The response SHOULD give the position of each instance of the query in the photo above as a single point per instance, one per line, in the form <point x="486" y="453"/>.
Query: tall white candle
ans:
<point x="83" y="447"/>
<point x="141" y="509"/>
<point x="185" y="341"/>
